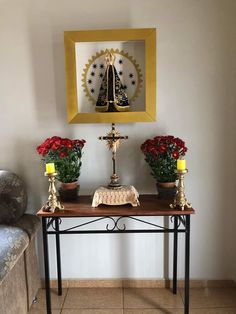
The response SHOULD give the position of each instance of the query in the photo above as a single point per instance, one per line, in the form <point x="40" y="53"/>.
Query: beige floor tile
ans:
<point x="94" y="298"/>
<point x="214" y="311"/>
<point x="151" y="298"/>
<point x="180" y="311"/>
<point x="42" y="311"/>
<point x="56" y="300"/>
<point x="212" y="297"/>
<point x="92" y="311"/>
<point x="153" y="311"/>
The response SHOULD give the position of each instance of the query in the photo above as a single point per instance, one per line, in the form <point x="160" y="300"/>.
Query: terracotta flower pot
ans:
<point x="69" y="186"/>
<point x="69" y="191"/>
<point x="166" y="190"/>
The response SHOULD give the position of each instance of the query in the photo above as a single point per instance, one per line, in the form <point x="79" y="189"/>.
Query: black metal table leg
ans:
<point x="58" y="252"/>
<point x="187" y="260"/>
<point x="46" y="265"/>
<point x="175" y="255"/>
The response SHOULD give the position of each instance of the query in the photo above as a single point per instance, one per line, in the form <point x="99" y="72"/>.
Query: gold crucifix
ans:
<point x="113" y="139"/>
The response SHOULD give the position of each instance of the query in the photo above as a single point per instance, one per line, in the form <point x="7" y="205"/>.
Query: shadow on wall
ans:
<point x="48" y="74"/>
<point x="31" y="170"/>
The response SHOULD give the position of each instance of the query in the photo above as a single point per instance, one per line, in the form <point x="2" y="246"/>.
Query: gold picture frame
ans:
<point x="73" y="38"/>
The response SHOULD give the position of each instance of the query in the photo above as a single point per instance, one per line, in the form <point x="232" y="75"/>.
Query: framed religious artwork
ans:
<point x="111" y="75"/>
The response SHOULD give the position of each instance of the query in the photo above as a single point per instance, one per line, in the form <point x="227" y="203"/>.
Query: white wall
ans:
<point x="196" y="101"/>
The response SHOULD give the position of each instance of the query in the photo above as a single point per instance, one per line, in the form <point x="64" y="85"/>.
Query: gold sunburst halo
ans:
<point x="115" y="51"/>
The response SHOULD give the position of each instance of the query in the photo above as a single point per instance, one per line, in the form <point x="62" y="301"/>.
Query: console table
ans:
<point x="112" y="216"/>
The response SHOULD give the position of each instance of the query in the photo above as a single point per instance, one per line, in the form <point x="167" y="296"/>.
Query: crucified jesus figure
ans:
<point x="113" y="139"/>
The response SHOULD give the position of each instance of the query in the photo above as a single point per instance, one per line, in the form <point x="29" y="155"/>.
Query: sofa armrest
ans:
<point x="29" y="223"/>
<point x="13" y="242"/>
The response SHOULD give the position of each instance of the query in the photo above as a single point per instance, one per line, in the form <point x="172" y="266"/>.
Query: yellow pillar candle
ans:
<point x="50" y="168"/>
<point x="181" y="164"/>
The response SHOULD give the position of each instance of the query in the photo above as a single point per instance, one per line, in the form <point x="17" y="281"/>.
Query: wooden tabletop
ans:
<point x="150" y="205"/>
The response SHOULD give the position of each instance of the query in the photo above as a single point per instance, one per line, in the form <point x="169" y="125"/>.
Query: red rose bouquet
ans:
<point x="161" y="153"/>
<point x="65" y="154"/>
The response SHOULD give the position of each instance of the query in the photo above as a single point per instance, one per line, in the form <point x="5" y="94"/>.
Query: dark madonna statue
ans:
<point x="112" y="97"/>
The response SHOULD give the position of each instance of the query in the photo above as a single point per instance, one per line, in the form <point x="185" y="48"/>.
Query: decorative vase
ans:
<point x="166" y="190"/>
<point x="69" y="191"/>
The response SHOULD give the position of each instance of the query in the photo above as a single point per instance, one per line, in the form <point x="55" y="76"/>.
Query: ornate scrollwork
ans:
<point x="180" y="219"/>
<point x="183" y="220"/>
<point x="116" y="226"/>
<point x="50" y="222"/>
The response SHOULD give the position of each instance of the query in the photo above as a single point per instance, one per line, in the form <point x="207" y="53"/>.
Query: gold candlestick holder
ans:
<point x="52" y="204"/>
<point x="180" y="200"/>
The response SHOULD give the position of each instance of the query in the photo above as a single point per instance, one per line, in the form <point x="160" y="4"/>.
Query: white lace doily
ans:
<point x="124" y="195"/>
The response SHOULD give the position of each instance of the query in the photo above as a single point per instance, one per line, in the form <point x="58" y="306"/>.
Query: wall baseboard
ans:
<point x="139" y="283"/>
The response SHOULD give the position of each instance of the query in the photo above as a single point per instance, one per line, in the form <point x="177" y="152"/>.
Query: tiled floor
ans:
<point x="137" y="301"/>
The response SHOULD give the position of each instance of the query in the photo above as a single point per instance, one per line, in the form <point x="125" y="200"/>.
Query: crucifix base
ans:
<point x="113" y="139"/>
<point x="114" y="184"/>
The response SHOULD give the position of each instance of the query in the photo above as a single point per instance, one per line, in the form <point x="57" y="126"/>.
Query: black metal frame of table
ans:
<point x="51" y="226"/>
